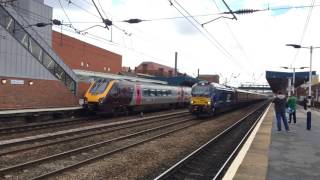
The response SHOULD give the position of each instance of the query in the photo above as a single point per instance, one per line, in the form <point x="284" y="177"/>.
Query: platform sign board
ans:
<point x="16" y="81"/>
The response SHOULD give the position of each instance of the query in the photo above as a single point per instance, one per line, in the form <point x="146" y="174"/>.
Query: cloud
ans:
<point x="255" y="42"/>
<point x="118" y="2"/>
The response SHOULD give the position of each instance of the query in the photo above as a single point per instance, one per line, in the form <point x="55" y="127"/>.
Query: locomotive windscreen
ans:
<point x="99" y="86"/>
<point x="201" y="91"/>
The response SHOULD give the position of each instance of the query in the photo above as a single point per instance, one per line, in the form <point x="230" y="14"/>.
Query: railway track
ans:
<point x="23" y="144"/>
<point x="44" y="125"/>
<point x="47" y="166"/>
<point x="49" y="125"/>
<point x="212" y="159"/>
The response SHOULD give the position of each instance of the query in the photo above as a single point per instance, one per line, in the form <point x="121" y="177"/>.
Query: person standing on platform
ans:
<point x="292" y="105"/>
<point x="305" y="103"/>
<point x="280" y="102"/>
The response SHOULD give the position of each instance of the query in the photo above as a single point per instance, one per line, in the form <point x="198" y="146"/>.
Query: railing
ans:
<point x="31" y="45"/>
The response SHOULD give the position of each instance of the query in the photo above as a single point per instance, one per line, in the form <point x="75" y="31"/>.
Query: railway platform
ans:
<point x="280" y="155"/>
<point x="31" y="115"/>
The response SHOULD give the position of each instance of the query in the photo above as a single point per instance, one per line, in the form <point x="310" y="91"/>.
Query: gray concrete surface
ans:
<point x="295" y="155"/>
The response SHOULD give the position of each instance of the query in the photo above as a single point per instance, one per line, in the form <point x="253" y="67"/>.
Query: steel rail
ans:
<point x="44" y="125"/>
<point x="38" y="126"/>
<point x="110" y="153"/>
<point x="9" y="143"/>
<point x="81" y="149"/>
<point x="231" y="156"/>
<point x="182" y="162"/>
<point x="88" y="135"/>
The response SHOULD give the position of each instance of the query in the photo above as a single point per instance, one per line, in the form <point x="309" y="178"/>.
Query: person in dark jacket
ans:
<point x="280" y="102"/>
<point x="305" y="101"/>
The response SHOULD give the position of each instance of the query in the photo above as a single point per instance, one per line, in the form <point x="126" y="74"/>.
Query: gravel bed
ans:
<point x="83" y="123"/>
<point x="47" y="167"/>
<point x="54" y="149"/>
<point x="148" y="160"/>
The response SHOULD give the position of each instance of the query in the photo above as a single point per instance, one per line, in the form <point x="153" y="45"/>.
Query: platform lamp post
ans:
<point x="293" y="76"/>
<point x="310" y="81"/>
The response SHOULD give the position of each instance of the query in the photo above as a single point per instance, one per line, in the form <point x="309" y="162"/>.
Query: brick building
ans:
<point x="209" y="78"/>
<point x="37" y="65"/>
<point x="32" y="74"/>
<point x="152" y="68"/>
<point x="82" y="56"/>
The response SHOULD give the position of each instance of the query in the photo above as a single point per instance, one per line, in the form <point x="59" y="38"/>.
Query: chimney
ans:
<point x="175" y="63"/>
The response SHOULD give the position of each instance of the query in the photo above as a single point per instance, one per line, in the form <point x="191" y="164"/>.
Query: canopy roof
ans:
<point x="278" y="81"/>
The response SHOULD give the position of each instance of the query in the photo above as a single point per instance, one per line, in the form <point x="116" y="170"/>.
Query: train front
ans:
<point x="201" y="101"/>
<point x="95" y="97"/>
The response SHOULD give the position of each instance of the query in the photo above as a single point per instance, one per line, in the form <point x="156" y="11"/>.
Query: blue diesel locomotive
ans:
<point x="210" y="98"/>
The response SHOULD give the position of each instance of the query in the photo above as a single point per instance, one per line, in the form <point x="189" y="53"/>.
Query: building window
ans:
<point x="35" y="49"/>
<point x="22" y="36"/>
<point x="87" y="64"/>
<point x="161" y="70"/>
<point x="104" y="68"/>
<point x="81" y="64"/>
<point x="109" y="69"/>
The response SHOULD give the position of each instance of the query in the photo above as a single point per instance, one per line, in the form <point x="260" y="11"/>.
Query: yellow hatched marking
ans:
<point x="200" y="100"/>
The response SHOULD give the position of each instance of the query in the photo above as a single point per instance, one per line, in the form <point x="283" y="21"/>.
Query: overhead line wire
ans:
<point x="213" y="41"/>
<point x="234" y="36"/>
<point x="65" y="12"/>
<point x="304" y="31"/>
<point x="102" y="9"/>
<point x="103" y="40"/>
<point x="89" y="12"/>
<point x="216" y="43"/>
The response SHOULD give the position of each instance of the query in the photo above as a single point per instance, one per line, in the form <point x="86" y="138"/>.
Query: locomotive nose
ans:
<point x="202" y="101"/>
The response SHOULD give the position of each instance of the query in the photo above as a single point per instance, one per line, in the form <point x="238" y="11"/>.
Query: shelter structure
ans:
<point x="278" y="81"/>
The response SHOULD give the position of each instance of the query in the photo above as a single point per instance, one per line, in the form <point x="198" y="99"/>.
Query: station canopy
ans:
<point x="278" y="81"/>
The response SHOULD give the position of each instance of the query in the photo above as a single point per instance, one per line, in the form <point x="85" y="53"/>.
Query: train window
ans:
<point x="228" y="98"/>
<point x="164" y="92"/>
<point x="152" y="92"/>
<point x="114" y="92"/>
<point x="169" y="93"/>
<point x="201" y="91"/>
<point x="146" y="92"/>
<point x="131" y="91"/>
<point x="159" y="93"/>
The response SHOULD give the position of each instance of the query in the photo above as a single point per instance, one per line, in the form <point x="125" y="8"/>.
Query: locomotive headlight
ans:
<point x="209" y="102"/>
<point x="100" y="100"/>
<point x="191" y="102"/>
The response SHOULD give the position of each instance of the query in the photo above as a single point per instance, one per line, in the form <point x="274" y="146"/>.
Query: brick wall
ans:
<point x="82" y="88"/>
<point x="81" y="55"/>
<point x="42" y="94"/>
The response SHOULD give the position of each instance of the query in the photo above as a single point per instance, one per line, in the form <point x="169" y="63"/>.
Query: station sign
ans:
<point x="16" y="81"/>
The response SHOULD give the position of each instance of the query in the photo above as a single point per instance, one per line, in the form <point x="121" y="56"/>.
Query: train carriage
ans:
<point x="118" y="96"/>
<point x="210" y="98"/>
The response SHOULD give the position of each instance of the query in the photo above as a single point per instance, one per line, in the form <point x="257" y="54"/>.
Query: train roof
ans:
<point x="215" y="85"/>
<point x="150" y="84"/>
<point x="99" y="75"/>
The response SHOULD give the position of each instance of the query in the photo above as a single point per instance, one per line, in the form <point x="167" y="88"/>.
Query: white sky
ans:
<point x="253" y="44"/>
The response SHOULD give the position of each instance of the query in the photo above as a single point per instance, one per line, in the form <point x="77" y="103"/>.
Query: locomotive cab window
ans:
<point x="99" y="86"/>
<point x="201" y="91"/>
